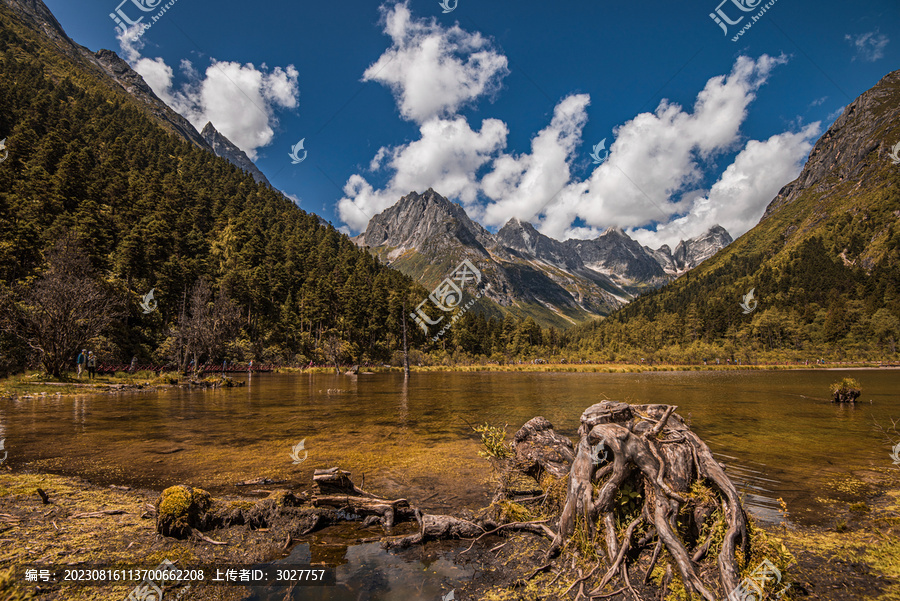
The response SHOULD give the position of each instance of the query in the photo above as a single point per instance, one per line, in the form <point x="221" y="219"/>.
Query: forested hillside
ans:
<point x="824" y="264"/>
<point x="151" y="211"/>
<point x="101" y="201"/>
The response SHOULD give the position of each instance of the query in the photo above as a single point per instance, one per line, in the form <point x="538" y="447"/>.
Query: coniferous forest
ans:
<point x="99" y="188"/>
<point x="239" y="272"/>
<point x="150" y="211"/>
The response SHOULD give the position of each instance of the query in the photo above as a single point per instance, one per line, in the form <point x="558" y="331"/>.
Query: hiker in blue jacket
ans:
<point x="79" y="362"/>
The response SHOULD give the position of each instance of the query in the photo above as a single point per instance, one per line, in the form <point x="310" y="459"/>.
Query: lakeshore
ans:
<point x="774" y="429"/>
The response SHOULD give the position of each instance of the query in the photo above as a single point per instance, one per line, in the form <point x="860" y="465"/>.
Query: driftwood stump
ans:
<point x="845" y="396"/>
<point x="650" y="450"/>
<point x="845" y="391"/>
<point x="540" y="449"/>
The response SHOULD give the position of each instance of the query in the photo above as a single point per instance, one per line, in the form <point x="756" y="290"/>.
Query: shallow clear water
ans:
<point x="371" y="573"/>
<point x="776" y="432"/>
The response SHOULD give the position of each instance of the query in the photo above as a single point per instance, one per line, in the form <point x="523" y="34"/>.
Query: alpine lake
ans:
<point x="776" y="432"/>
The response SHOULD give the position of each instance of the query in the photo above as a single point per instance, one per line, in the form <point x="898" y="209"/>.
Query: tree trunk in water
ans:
<point x="635" y="469"/>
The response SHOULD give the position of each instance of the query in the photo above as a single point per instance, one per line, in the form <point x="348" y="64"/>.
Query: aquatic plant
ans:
<point x="494" y="441"/>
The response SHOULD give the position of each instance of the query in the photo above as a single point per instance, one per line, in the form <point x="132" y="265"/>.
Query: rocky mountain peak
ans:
<point x="518" y="233"/>
<point x="522" y="238"/>
<point x="423" y="233"/>
<point x="107" y="66"/>
<point x="423" y="220"/>
<point x="690" y="253"/>
<point x="36" y="13"/>
<point x="225" y="148"/>
<point x="844" y="151"/>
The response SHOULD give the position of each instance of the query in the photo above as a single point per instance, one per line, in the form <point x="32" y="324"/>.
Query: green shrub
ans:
<point x="845" y="386"/>
<point x="494" y="441"/>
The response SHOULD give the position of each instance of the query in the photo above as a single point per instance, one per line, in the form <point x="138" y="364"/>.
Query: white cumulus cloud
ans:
<point x="521" y="186"/>
<point x="433" y="70"/>
<point x="658" y="159"/>
<point x="446" y="157"/>
<point x="739" y="198"/>
<point x="653" y="182"/>
<point x="239" y="100"/>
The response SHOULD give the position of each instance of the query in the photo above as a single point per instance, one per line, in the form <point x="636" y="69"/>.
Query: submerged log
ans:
<point x="337" y="482"/>
<point x="338" y="491"/>
<point x="434" y="527"/>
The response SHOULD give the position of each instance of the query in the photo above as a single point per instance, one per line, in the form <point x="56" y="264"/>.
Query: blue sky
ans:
<point x="498" y="105"/>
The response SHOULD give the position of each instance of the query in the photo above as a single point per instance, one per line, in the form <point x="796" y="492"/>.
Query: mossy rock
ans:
<point x="180" y="509"/>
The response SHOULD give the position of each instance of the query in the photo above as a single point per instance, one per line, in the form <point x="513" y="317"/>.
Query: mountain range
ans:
<point x="557" y="283"/>
<point x="530" y="274"/>
<point x="834" y="225"/>
<point x="823" y="263"/>
<point x="158" y="206"/>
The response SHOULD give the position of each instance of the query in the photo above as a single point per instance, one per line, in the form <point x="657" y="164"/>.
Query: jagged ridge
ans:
<point x="557" y="283"/>
<point x="225" y="148"/>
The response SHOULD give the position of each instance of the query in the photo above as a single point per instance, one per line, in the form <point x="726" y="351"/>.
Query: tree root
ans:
<point x="536" y="527"/>
<point x="205" y="538"/>
<point x="651" y="451"/>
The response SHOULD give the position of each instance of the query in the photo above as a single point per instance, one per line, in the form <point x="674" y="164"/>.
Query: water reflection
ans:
<point x="775" y="431"/>
<point x="368" y="572"/>
<point x="404" y="403"/>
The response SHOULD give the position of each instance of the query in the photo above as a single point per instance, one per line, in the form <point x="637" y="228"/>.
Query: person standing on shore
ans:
<point x="79" y="362"/>
<point x="91" y="364"/>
